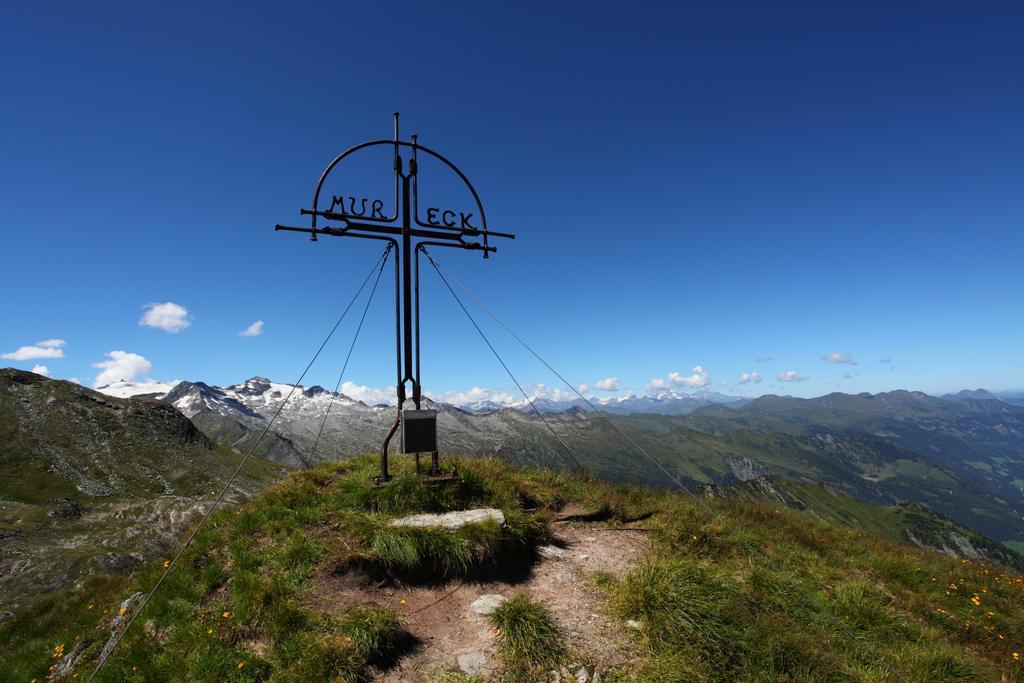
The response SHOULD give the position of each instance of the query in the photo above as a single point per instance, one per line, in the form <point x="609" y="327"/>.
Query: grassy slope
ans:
<point x="235" y="607"/>
<point x="902" y="522"/>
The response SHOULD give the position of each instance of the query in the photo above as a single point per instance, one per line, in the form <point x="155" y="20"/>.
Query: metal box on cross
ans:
<point x="419" y="431"/>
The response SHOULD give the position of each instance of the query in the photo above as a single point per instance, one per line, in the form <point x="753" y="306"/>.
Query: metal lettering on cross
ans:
<point x="408" y="232"/>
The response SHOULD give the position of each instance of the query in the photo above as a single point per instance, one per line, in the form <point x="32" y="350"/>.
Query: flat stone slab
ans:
<point x="451" y="520"/>
<point x="486" y="604"/>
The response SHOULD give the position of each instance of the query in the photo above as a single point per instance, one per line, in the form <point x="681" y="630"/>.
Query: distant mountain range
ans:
<point x="963" y="455"/>
<point x="662" y="403"/>
<point x="129" y="473"/>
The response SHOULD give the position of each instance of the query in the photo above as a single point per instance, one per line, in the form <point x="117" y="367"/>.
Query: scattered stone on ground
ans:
<point x="451" y="520"/>
<point x="551" y="552"/>
<point x="447" y="629"/>
<point x="486" y="604"/>
<point x="471" y="662"/>
<point x="573" y="673"/>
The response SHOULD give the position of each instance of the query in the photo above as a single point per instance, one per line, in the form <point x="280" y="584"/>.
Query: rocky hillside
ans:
<point x="911" y="523"/>
<point x="559" y="578"/>
<point x="94" y="483"/>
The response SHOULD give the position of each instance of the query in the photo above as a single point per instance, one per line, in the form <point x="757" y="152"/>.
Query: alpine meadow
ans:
<point x="534" y="343"/>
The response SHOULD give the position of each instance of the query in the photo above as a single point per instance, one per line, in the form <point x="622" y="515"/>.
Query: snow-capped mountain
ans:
<point x="238" y="414"/>
<point x="263" y="390"/>
<point x="317" y="424"/>
<point x="125" y="389"/>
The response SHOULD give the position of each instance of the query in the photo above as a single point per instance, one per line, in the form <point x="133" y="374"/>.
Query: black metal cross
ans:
<point x="443" y="228"/>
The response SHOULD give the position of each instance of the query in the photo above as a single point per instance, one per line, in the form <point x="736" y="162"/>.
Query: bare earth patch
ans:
<point x="440" y="618"/>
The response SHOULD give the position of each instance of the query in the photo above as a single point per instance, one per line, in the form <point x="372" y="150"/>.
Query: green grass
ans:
<point x="815" y="601"/>
<point x="236" y="608"/>
<point x="528" y="638"/>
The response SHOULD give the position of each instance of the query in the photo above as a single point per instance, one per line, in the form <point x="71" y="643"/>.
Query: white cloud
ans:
<point x="254" y="330"/>
<point x="168" y="316"/>
<point x="699" y="378"/>
<point x="609" y="384"/>
<point x="748" y="377"/>
<point x="837" y="357"/>
<point x="386" y="395"/>
<point x="657" y="384"/>
<point x="789" y="376"/>
<point x="480" y="395"/>
<point x="583" y="388"/>
<point x="41" y="370"/>
<point x="48" y="348"/>
<point x="120" y="366"/>
<point x="369" y="395"/>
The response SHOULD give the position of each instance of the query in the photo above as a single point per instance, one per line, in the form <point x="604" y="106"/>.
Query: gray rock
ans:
<point x="119" y="564"/>
<point x="486" y="604"/>
<point x="471" y="662"/>
<point x="551" y="552"/>
<point x="582" y="676"/>
<point x="451" y="520"/>
<point x="65" y="666"/>
<point x="633" y="624"/>
<point x="120" y="621"/>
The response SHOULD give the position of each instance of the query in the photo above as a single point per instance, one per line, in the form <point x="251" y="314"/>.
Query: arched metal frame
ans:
<point x="406" y="209"/>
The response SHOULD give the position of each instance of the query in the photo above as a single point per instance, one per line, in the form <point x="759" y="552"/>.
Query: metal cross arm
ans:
<point x="398" y="230"/>
<point x="453" y="240"/>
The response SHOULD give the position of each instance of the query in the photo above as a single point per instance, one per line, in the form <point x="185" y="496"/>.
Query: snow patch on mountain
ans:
<point x="148" y="387"/>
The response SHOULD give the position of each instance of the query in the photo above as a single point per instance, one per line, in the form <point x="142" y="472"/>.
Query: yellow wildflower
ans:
<point x="167" y="563"/>
<point x="122" y="611"/>
<point x="401" y="602"/>
<point x="241" y="664"/>
<point x="226" y="614"/>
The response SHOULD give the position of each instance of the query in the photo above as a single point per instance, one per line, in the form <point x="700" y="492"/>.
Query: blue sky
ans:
<point x="690" y="185"/>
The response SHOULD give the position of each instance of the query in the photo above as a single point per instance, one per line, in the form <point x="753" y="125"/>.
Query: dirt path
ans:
<point x="442" y="621"/>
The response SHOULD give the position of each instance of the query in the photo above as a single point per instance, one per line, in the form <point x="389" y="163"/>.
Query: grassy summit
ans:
<point x="813" y="602"/>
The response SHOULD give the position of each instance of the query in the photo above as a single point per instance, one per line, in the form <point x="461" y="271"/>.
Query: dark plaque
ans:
<point x="419" y="431"/>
